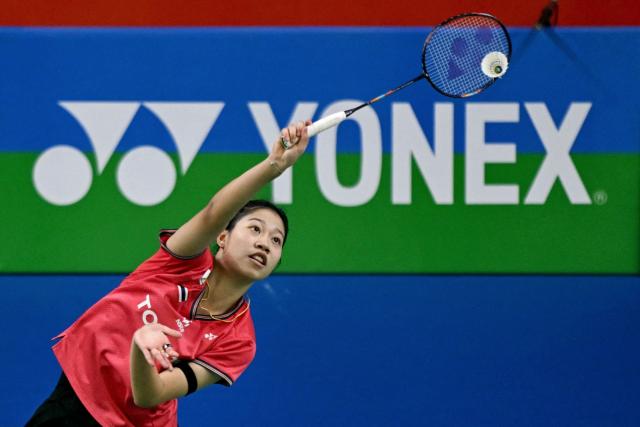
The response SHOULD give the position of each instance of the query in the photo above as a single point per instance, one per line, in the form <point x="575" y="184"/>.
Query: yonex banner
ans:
<point x="107" y="136"/>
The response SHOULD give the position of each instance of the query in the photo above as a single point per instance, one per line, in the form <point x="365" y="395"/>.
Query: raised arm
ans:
<point x="202" y="230"/>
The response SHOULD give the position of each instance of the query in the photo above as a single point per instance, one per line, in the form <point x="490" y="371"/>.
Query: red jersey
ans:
<point x="94" y="352"/>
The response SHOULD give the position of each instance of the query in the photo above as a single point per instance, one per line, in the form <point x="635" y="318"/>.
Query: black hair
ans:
<point x="253" y="205"/>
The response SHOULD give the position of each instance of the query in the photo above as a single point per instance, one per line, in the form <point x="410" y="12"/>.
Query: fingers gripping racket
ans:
<point x="461" y="57"/>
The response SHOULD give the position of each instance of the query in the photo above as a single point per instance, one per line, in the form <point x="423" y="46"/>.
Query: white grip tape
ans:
<point x="325" y="123"/>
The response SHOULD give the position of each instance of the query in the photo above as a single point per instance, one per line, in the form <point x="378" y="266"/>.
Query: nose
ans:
<point x="262" y="245"/>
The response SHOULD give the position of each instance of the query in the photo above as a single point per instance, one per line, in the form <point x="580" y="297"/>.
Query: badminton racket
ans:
<point x="461" y="57"/>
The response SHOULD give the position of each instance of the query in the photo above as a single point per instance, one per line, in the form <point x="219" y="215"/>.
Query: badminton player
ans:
<point x="180" y="322"/>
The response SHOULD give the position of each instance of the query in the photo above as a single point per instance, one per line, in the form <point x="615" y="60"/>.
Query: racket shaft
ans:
<point x="325" y="123"/>
<point x="392" y="91"/>
<point x="336" y="118"/>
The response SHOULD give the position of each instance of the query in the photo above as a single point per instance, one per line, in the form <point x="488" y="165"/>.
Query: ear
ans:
<point x="222" y="239"/>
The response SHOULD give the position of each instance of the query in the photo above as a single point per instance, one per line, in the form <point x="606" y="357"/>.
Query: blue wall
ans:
<point x="47" y="66"/>
<point x="383" y="350"/>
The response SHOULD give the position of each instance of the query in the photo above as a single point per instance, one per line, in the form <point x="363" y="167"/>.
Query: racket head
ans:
<point x="453" y="52"/>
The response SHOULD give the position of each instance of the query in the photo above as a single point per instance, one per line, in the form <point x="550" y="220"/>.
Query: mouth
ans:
<point x="259" y="258"/>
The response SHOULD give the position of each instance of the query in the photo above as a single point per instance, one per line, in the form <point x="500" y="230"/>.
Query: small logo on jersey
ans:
<point x="210" y="336"/>
<point x="205" y="276"/>
<point x="183" y="293"/>
<point x="182" y="324"/>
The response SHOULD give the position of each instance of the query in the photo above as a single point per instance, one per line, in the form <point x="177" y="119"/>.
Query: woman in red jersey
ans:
<point x="180" y="321"/>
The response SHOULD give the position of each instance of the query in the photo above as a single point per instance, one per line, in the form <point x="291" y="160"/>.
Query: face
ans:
<point x="252" y="249"/>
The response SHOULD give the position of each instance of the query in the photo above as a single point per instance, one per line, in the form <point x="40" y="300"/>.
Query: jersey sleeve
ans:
<point x="167" y="261"/>
<point x="229" y="359"/>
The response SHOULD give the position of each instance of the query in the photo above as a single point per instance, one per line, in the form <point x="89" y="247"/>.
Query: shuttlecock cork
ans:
<point x="494" y="64"/>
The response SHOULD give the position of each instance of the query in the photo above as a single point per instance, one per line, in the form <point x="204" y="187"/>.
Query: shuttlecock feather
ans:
<point x="494" y="64"/>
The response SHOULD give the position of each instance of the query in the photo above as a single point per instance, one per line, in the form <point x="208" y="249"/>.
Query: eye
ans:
<point x="255" y="228"/>
<point x="277" y="241"/>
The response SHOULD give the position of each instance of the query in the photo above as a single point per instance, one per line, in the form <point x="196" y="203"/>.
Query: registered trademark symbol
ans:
<point x="600" y="197"/>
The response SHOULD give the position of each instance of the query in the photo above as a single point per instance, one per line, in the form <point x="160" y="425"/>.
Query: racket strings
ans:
<point x="454" y="51"/>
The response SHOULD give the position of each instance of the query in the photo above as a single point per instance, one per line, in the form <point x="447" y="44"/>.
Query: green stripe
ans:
<point x="106" y="233"/>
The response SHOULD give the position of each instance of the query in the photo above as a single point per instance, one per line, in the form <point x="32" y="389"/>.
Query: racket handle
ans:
<point x="325" y="123"/>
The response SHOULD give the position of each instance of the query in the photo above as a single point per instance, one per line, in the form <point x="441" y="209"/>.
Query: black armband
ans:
<point x="192" y="381"/>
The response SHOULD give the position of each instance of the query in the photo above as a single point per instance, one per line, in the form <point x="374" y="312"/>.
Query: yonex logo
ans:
<point x="145" y="175"/>
<point x="182" y="324"/>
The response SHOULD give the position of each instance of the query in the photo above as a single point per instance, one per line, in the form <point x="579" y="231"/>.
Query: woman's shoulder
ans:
<point x="164" y="261"/>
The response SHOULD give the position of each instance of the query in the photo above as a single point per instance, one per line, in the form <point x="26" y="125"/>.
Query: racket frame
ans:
<point x="336" y="118"/>
<point x="446" y="22"/>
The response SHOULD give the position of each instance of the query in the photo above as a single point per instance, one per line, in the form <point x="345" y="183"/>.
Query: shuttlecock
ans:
<point x="494" y="64"/>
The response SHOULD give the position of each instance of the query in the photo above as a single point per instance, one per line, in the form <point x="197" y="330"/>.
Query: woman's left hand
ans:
<point x="153" y="342"/>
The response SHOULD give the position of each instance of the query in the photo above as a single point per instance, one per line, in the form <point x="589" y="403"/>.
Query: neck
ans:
<point x="224" y="291"/>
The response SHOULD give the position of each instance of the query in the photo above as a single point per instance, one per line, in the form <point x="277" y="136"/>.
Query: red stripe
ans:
<point x="305" y="12"/>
